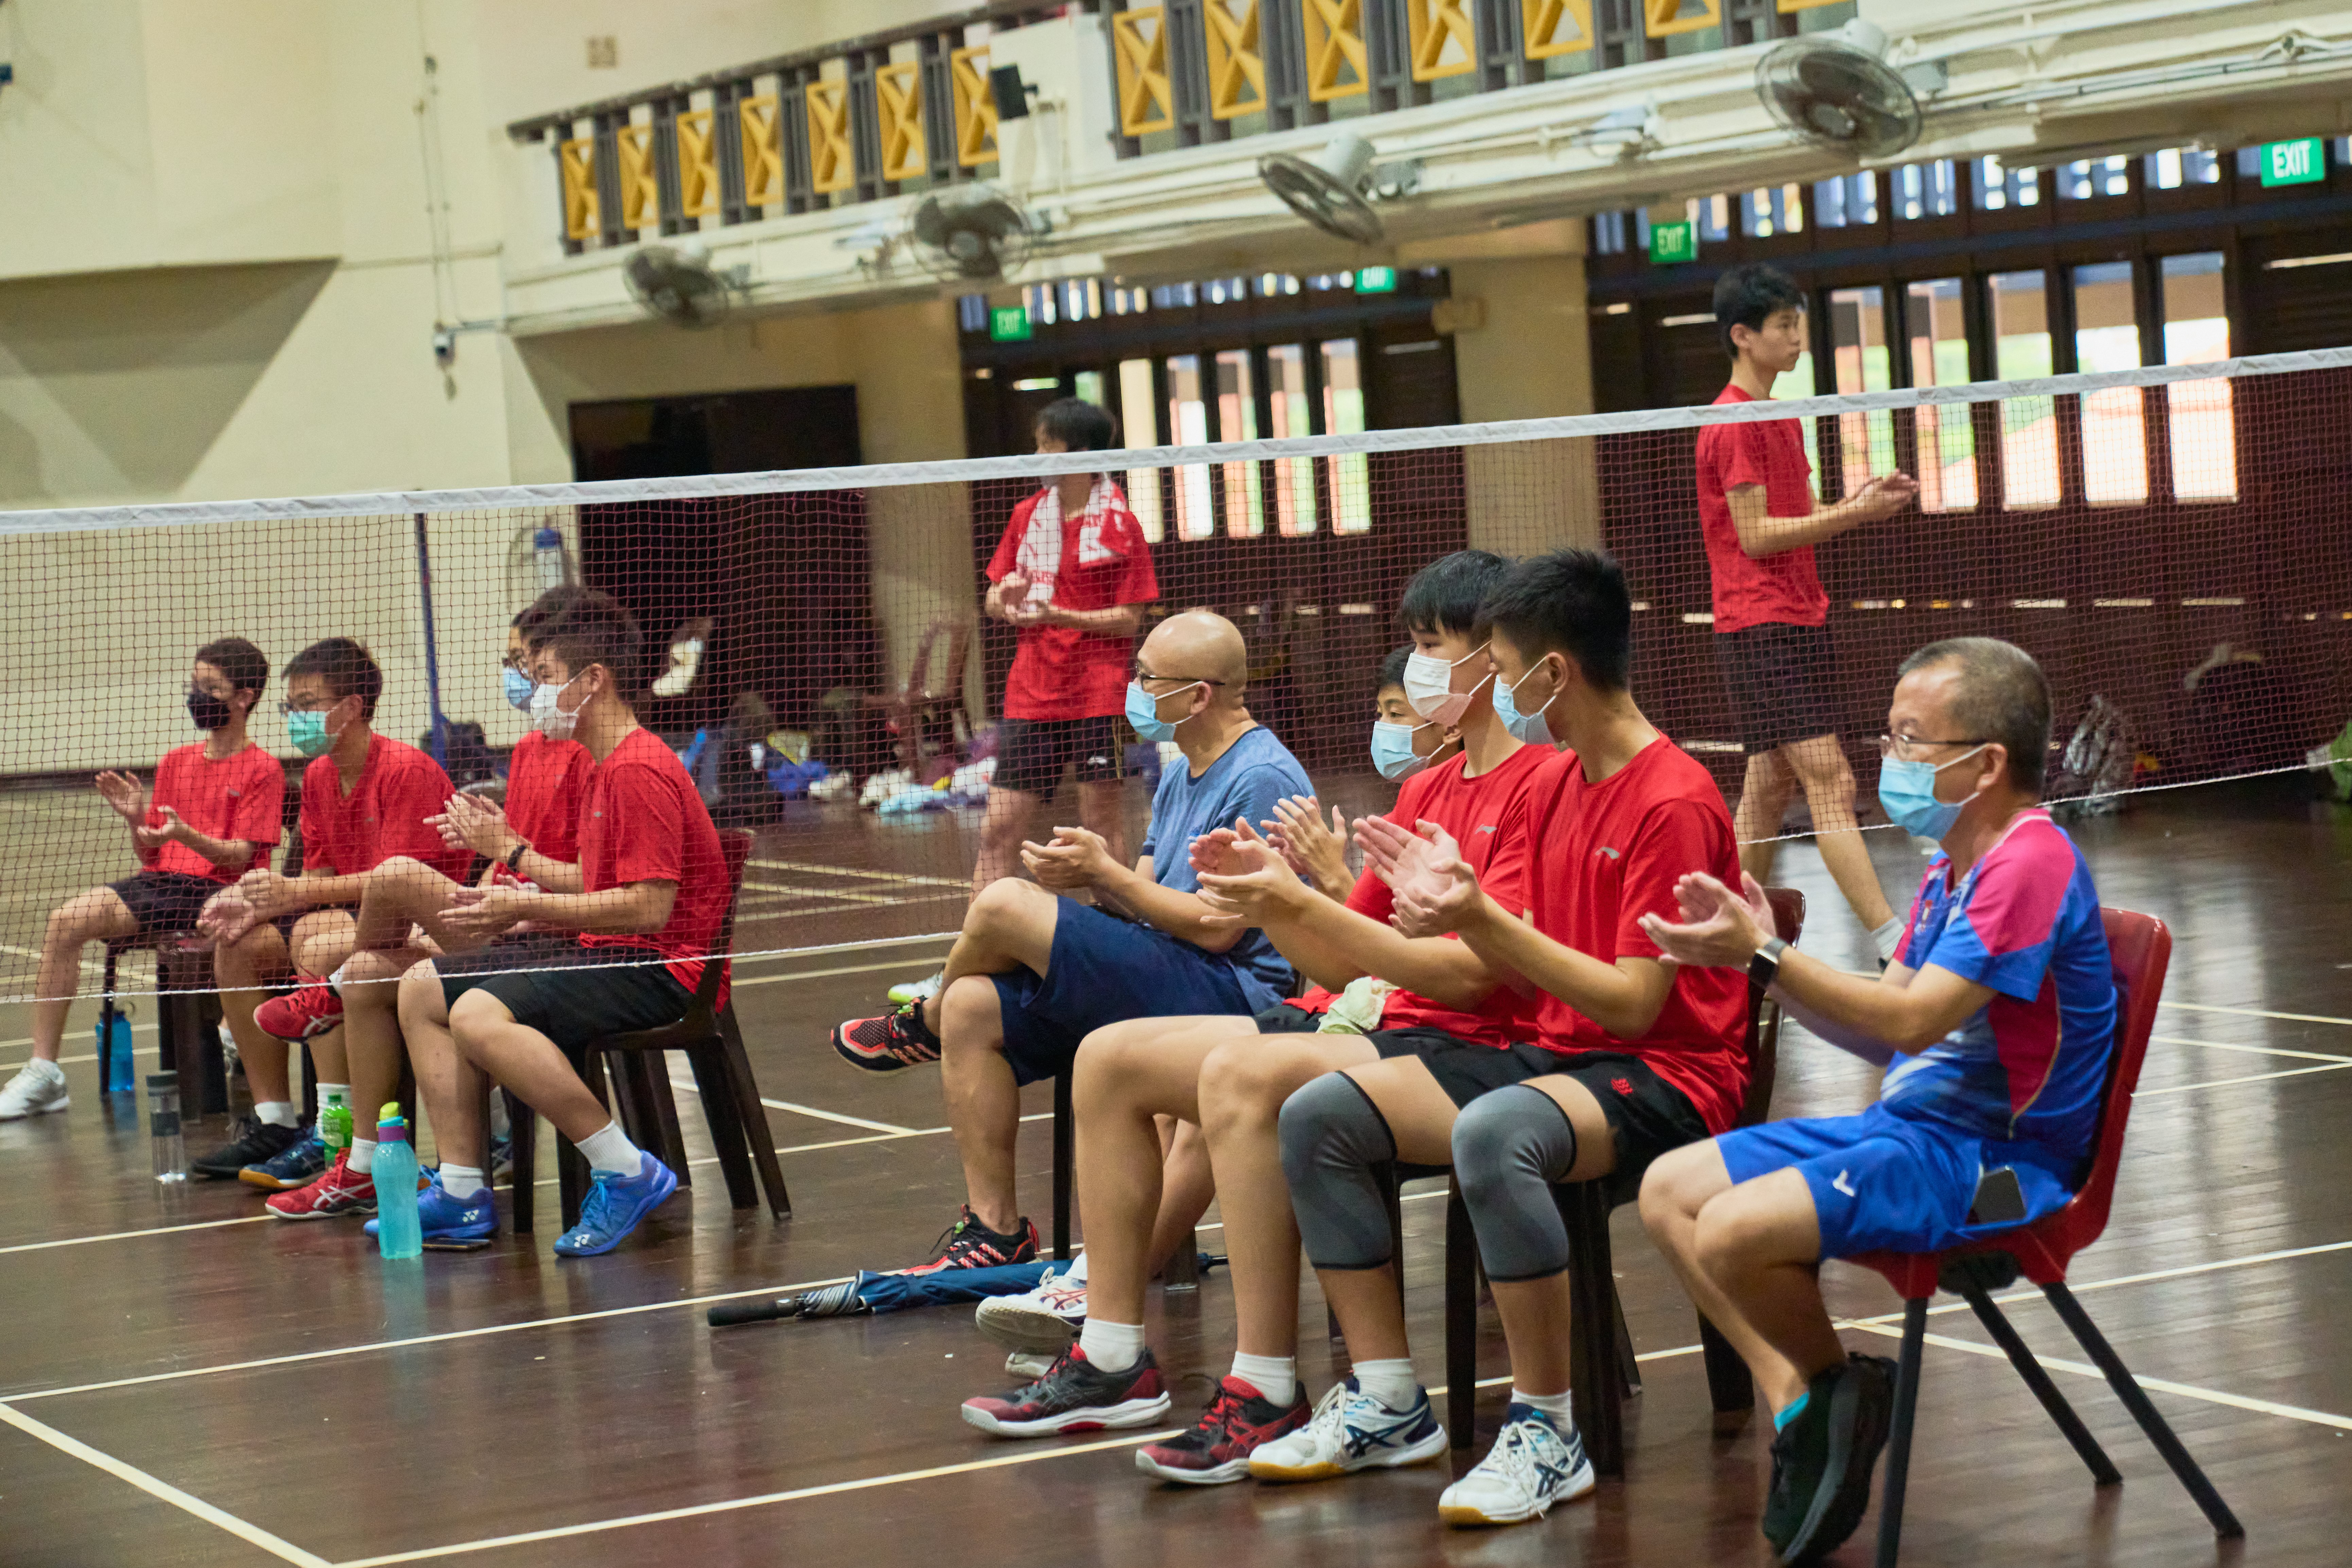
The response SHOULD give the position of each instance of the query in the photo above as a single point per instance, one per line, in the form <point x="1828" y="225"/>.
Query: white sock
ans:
<point x="275" y="1113"/>
<point x="1111" y="1347"/>
<point x="1074" y="1273"/>
<point x="1888" y="937"/>
<point x="363" y="1156"/>
<point x="1552" y="1405"/>
<point x="611" y="1149"/>
<point x="1274" y="1376"/>
<point x="335" y="981"/>
<point x="48" y="1071"/>
<point x="1389" y="1382"/>
<point x="461" y="1181"/>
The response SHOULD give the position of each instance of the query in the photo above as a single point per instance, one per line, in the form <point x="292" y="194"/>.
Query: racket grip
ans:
<point x="728" y="1313"/>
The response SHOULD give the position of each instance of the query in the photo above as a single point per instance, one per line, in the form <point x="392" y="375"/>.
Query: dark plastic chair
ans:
<point x="640" y="1092"/>
<point x="187" y="1018"/>
<point x="2140" y="949"/>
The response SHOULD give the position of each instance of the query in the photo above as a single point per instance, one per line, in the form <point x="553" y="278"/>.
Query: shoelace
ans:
<point x="1331" y="1411"/>
<point x="1514" y="1455"/>
<point x="594" y="1209"/>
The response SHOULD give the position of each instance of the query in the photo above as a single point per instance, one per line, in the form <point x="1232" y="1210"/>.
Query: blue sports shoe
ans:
<point x="453" y="1224"/>
<point x="614" y="1205"/>
<point x="298" y="1165"/>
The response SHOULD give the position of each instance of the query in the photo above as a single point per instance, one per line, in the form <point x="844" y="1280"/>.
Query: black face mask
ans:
<point x="209" y="711"/>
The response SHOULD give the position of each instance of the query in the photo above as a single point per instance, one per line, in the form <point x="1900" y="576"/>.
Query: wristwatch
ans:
<point x="512" y="859"/>
<point x="1765" y="967"/>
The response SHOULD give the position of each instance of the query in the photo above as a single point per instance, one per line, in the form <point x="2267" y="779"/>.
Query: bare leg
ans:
<point x="450" y="1086"/>
<point x="322" y="941"/>
<point x="1102" y="811"/>
<point x="98" y="915"/>
<point x="1749" y="1257"/>
<point x="1763" y="802"/>
<point x="370" y="1031"/>
<point x="1010" y="926"/>
<point x="1821" y="767"/>
<point x="984" y="1102"/>
<point x="401" y="894"/>
<point x="1243" y="1086"/>
<point x="1010" y="813"/>
<point x="1186" y="1185"/>
<point x="1420" y="1116"/>
<point x="243" y="967"/>
<point x="527" y="1062"/>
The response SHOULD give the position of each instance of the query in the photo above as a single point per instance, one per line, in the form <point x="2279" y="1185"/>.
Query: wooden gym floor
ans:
<point x="182" y="1381"/>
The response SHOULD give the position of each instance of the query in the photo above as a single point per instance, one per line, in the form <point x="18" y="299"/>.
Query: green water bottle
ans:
<point x="335" y="1121"/>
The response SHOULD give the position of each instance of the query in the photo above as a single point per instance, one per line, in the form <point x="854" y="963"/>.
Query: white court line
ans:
<point x="2251" y="1050"/>
<point x="890" y="1127"/>
<point x="2255" y="1013"/>
<point x="846" y="969"/>
<point x="284" y="1550"/>
<point x="2214" y="1266"/>
<point x="2250" y="1078"/>
<point x="812" y="866"/>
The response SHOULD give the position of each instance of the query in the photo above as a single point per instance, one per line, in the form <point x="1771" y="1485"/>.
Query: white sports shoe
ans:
<point x="1350" y="1431"/>
<point x="1532" y="1466"/>
<point x="1044" y="1318"/>
<point x="37" y="1087"/>
<point x="1028" y="1365"/>
<point x="921" y="990"/>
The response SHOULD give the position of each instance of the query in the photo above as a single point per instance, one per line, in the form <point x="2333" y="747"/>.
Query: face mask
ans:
<point x="1527" y="726"/>
<point x="1393" y="751"/>
<point x="209" y="711"/>
<point x="548" y="719"/>
<point x="308" y="733"/>
<point x="1908" y="791"/>
<point x="1428" y="682"/>
<point x="518" y="689"/>
<point x="1143" y="712"/>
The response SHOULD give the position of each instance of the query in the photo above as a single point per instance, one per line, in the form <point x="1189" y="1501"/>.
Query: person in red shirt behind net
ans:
<point x="365" y="798"/>
<point x="621" y="949"/>
<point x="1757" y="509"/>
<point x="1072" y="572"/>
<point x="213" y="809"/>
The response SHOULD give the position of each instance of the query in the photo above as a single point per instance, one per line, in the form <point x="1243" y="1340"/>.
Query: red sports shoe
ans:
<point x="888" y="1041"/>
<point x="1218" y="1447"/>
<point x="342" y="1191"/>
<point x="305" y="1011"/>
<point x="968" y="1244"/>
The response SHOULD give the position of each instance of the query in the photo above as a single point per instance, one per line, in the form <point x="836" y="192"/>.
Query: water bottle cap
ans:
<point x="546" y="539"/>
<point x="162" y="1081"/>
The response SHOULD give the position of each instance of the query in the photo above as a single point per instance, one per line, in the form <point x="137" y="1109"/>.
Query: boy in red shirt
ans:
<point x="1626" y="1057"/>
<point x="213" y="809"/>
<point x="1755" y="508"/>
<point x="621" y="948"/>
<point x="534" y="838"/>
<point x="1072" y="573"/>
<point x="365" y="799"/>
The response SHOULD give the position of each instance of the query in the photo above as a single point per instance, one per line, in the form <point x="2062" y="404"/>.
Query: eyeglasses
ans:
<point x="287" y="708"/>
<point x="1902" y="746"/>
<point x="1143" y="674"/>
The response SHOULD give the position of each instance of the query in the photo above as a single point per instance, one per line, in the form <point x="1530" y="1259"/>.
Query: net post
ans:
<point x="439" y="731"/>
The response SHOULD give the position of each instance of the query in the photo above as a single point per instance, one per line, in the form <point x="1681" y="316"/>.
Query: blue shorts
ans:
<point x="1885" y="1183"/>
<point x="1104" y="970"/>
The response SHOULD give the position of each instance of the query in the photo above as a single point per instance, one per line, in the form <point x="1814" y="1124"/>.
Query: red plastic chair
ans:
<point x="2140" y="947"/>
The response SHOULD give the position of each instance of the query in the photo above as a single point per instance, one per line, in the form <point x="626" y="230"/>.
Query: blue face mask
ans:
<point x="308" y="733"/>
<point x="1143" y="712"/>
<point x="1527" y="726"/>
<point x="1908" y="791"/>
<point x="518" y="689"/>
<point x="1393" y="751"/>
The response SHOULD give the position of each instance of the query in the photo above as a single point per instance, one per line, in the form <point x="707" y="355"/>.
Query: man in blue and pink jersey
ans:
<point x="1998" y="1015"/>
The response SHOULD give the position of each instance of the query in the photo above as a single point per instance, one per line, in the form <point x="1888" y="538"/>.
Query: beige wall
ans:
<point x="1530" y="359"/>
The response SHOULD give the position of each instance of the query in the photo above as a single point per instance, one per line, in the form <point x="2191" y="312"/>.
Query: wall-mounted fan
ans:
<point x="973" y="234"/>
<point x="678" y="284"/>
<point x="1836" y="90"/>
<point x="1334" y="189"/>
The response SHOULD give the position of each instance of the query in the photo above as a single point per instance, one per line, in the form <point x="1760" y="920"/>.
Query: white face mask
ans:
<point x="547" y="718"/>
<point x="1429" y="682"/>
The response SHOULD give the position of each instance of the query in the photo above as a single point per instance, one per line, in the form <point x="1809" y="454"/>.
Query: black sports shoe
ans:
<point x="968" y="1244"/>
<point x="1218" y="1447"/>
<point x="255" y="1143"/>
<point x="1074" y="1397"/>
<point x="1822" y="1461"/>
<point x="888" y="1042"/>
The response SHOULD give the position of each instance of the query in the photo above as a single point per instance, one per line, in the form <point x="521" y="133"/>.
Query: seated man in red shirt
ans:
<point x="623" y="950"/>
<point x="533" y="839"/>
<point x="365" y="798"/>
<point x="1627" y="1058"/>
<point x="1230" y="1075"/>
<point x="213" y="809"/>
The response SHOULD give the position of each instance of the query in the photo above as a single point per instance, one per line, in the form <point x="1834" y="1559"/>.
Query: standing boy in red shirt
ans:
<point x="365" y="798"/>
<point x="213" y="809"/>
<point x="1072" y="572"/>
<point x="1756" y="510"/>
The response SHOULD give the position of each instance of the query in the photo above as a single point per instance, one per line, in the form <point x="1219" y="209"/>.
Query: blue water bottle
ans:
<point x="115" y="1051"/>
<point x="397" y="1231"/>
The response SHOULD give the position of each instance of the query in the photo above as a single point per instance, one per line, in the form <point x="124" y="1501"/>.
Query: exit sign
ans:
<point x="1673" y="242"/>
<point x="1010" y="324"/>
<point x="1376" y="280"/>
<point x="2300" y="162"/>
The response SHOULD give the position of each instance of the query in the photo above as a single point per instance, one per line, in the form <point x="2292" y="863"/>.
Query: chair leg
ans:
<point x="1461" y="1323"/>
<point x="1065" y="1155"/>
<point x="752" y="1116"/>
<point x="1628" y="1370"/>
<point x="725" y="1118"/>
<point x="522" y="1129"/>
<point x="1730" y="1386"/>
<point x="1593" y="1373"/>
<point x="2159" y="1432"/>
<point x="1898" y="1443"/>
<point x="2021" y="1356"/>
<point x="651" y="1073"/>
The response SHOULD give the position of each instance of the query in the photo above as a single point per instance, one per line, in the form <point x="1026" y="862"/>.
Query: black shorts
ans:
<point x="562" y="993"/>
<point x="1781" y="680"/>
<point x="1647" y="1115"/>
<point x="163" y="901"/>
<point x="1032" y="752"/>
<point x="1283" y="1018"/>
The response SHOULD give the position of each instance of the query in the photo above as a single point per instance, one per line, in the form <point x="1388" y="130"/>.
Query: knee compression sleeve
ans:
<point x="1332" y="1139"/>
<point x="1510" y="1147"/>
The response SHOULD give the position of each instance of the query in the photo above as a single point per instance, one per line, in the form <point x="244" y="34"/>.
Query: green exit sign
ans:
<point x="1673" y="242"/>
<point x="1010" y="324"/>
<point x="1376" y="280"/>
<point x="2303" y="163"/>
